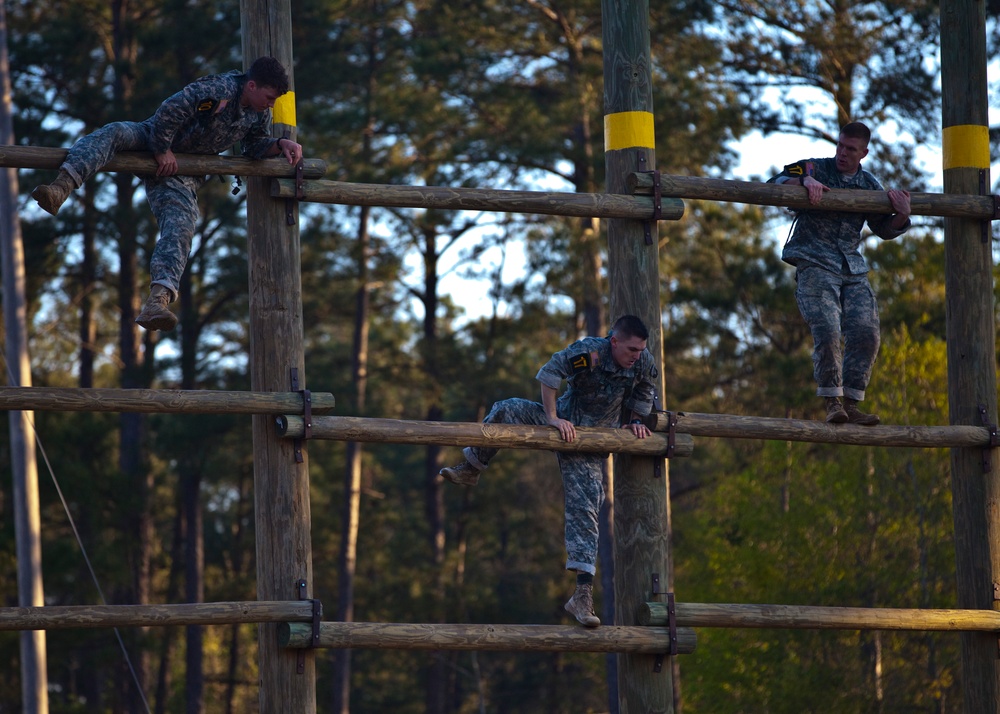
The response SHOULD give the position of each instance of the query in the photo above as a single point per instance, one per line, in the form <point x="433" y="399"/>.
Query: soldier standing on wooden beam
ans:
<point x="832" y="288"/>
<point x="206" y="117"/>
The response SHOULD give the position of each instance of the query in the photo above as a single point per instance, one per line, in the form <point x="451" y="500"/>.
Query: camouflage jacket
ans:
<point x="206" y="118"/>
<point x="831" y="239"/>
<point x="597" y="387"/>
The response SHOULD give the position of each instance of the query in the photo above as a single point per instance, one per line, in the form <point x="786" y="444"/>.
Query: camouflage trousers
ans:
<point x="839" y="308"/>
<point x="173" y="199"/>
<point x="583" y="482"/>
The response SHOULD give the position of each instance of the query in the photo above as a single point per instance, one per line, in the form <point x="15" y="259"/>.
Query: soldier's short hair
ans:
<point x="630" y="326"/>
<point x="856" y="130"/>
<point x="268" y="72"/>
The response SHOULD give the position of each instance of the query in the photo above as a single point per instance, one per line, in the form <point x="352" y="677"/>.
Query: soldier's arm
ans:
<point x="287" y="148"/>
<point x="566" y="429"/>
<point x="172" y="114"/>
<point x="888" y="226"/>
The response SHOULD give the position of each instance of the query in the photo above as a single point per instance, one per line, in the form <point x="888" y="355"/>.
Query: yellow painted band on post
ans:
<point x="284" y="109"/>
<point x="966" y="146"/>
<point x="627" y="130"/>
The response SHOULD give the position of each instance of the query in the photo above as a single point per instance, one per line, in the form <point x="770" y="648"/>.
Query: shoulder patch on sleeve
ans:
<point x="205" y="106"/>
<point x="801" y="168"/>
<point x="583" y="361"/>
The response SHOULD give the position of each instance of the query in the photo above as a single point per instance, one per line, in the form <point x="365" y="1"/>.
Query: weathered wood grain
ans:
<point x="597" y="205"/>
<point x="64" y="617"/>
<point x="731" y="426"/>
<point x="282" y="512"/>
<point x="836" y="199"/>
<point x="970" y="332"/>
<point x="496" y="638"/>
<point x="821" y="618"/>
<point x="165" y="401"/>
<point x="143" y="163"/>
<point x="503" y="436"/>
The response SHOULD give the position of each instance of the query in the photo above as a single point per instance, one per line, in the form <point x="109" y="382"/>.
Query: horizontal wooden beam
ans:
<point x="142" y="162"/>
<point x="170" y="401"/>
<point x="64" y="617"/>
<point x="496" y="638"/>
<point x="595" y="205"/>
<point x="501" y="436"/>
<point x="769" y="194"/>
<point x="769" y="428"/>
<point x="820" y="618"/>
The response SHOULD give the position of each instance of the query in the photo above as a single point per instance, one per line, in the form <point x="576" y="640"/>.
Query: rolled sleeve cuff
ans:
<point x="896" y="232"/>
<point x="549" y="378"/>
<point x="640" y="406"/>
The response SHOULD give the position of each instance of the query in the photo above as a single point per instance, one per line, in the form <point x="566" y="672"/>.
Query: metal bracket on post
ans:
<point x="647" y="226"/>
<point x="994" y="439"/>
<point x="300" y="194"/>
<point x="657" y="208"/>
<point x="671" y="433"/>
<point x="671" y="623"/>
<point x="984" y="191"/>
<point x="306" y="415"/>
<point x="996" y="598"/>
<point x="317" y="616"/>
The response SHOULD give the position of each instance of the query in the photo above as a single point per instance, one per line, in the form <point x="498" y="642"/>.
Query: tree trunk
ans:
<point x="436" y="672"/>
<point x="24" y="468"/>
<point x="352" y="475"/>
<point x="168" y="638"/>
<point x="137" y="522"/>
<point x="239" y="565"/>
<point x="190" y="477"/>
<point x="87" y="282"/>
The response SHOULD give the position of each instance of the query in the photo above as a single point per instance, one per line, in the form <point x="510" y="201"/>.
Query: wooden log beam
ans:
<point x="749" y="427"/>
<point x="599" y="205"/>
<point x="142" y="162"/>
<point x="768" y="194"/>
<point x="496" y="638"/>
<point x="821" y="618"/>
<point x="64" y="617"/>
<point x="501" y="436"/>
<point x="166" y="401"/>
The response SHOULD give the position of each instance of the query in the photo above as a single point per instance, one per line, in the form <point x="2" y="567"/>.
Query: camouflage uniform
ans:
<point x="833" y="292"/>
<point x="203" y="118"/>
<point x="598" y="392"/>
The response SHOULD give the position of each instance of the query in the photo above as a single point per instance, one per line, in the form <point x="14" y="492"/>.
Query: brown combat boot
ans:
<point x="465" y="474"/>
<point x="52" y="195"/>
<point x="856" y="416"/>
<point x="155" y="314"/>
<point x="835" y="413"/>
<point x="581" y="606"/>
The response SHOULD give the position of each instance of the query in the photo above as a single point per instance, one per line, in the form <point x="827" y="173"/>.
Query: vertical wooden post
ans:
<point x="23" y="464"/>
<point x="972" y="383"/>
<point x="281" y="484"/>
<point x="642" y="509"/>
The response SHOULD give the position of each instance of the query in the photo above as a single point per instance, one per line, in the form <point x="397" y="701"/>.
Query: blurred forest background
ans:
<point x="505" y="94"/>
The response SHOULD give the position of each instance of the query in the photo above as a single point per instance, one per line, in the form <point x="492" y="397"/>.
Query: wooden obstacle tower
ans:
<point x="649" y="624"/>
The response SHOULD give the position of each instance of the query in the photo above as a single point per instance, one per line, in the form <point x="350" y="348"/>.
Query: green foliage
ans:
<point x="835" y="526"/>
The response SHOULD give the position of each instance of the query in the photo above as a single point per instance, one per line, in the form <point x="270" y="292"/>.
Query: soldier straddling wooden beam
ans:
<point x="611" y="382"/>
<point x="206" y="117"/>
